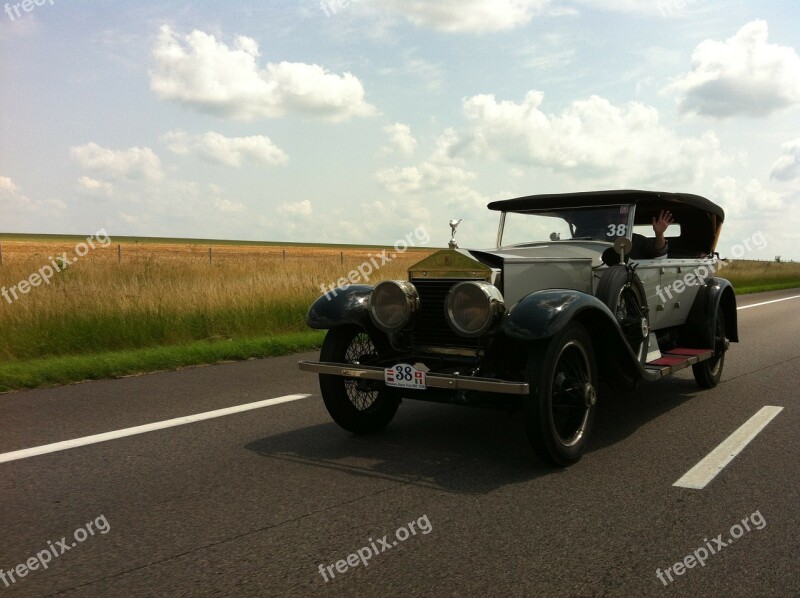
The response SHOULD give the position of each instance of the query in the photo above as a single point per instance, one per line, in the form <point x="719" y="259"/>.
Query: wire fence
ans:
<point x="19" y="251"/>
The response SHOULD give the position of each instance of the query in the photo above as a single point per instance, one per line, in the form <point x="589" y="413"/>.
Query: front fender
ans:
<point x="543" y="314"/>
<point x="340" y="306"/>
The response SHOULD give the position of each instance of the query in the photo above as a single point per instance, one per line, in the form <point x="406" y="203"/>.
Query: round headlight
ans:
<point x="472" y="307"/>
<point x="391" y="304"/>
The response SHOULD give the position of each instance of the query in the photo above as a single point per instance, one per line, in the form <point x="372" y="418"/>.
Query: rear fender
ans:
<point x="698" y="331"/>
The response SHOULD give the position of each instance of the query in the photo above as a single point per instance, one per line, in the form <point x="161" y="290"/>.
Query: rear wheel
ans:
<point x="708" y="373"/>
<point x="622" y="291"/>
<point x="358" y="406"/>
<point x="560" y="408"/>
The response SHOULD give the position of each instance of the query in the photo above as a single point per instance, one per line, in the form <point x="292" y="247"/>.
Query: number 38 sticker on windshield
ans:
<point x="404" y="376"/>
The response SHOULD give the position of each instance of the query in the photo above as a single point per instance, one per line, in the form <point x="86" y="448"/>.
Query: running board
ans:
<point x="674" y="360"/>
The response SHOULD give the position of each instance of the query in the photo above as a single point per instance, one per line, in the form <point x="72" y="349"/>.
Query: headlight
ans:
<point x="391" y="304"/>
<point x="472" y="307"/>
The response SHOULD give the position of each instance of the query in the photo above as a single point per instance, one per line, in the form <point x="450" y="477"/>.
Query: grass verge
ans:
<point x="54" y="371"/>
<point x="770" y="286"/>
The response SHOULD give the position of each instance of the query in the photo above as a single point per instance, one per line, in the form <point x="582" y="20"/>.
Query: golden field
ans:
<point x="167" y="293"/>
<point x="170" y="293"/>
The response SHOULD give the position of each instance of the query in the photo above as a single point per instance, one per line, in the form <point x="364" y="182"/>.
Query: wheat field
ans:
<point x="167" y="293"/>
<point x="171" y="293"/>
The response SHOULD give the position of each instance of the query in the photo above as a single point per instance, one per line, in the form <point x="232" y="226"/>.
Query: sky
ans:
<point x="358" y="121"/>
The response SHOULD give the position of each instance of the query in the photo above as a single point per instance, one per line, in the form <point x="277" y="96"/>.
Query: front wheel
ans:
<point x="622" y="291"/>
<point x="560" y="408"/>
<point x="708" y="373"/>
<point x="358" y="406"/>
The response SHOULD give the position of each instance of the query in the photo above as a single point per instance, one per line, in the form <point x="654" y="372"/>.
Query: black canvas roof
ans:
<point x="599" y="198"/>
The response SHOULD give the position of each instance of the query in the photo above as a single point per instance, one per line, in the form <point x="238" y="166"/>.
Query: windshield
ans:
<point x="599" y="223"/>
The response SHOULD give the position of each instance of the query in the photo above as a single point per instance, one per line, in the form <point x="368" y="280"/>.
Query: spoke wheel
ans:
<point x="359" y="406"/>
<point x="560" y="408"/>
<point x="622" y="291"/>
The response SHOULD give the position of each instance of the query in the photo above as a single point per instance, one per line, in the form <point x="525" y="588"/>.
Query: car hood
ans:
<point x="572" y="250"/>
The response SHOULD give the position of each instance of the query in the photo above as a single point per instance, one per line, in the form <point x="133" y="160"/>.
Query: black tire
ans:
<point x="622" y="291"/>
<point x="708" y="373"/>
<point x="358" y="406"/>
<point x="559" y="411"/>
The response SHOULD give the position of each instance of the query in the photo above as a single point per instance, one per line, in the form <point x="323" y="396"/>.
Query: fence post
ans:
<point x="1" y="254"/>
<point x="209" y="255"/>
<point x="284" y="256"/>
<point x="119" y="253"/>
<point x="341" y="257"/>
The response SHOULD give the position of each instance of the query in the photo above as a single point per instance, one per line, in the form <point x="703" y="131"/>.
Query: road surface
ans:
<point x="448" y="501"/>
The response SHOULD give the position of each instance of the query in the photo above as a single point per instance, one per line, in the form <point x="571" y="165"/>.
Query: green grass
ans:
<point x="770" y="286"/>
<point x="749" y="276"/>
<point x="77" y="332"/>
<point x="54" y="371"/>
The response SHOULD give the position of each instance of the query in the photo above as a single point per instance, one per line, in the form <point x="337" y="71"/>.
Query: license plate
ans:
<point x="403" y="375"/>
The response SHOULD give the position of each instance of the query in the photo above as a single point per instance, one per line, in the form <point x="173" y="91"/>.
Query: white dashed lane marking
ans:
<point x="699" y="476"/>
<point x="768" y="302"/>
<point x="169" y="423"/>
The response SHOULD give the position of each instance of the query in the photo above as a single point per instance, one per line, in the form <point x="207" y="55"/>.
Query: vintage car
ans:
<point x="535" y="324"/>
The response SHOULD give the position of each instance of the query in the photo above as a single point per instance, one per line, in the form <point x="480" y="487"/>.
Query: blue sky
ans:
<point x="357" y="121"/>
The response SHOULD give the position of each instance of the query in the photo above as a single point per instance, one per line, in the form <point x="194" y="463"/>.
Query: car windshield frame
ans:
<point x="600" y="223"/>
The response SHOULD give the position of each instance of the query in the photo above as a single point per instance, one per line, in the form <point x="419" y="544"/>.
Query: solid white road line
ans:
<point x="169" y="423"/>
<point x="707" y="469"/>
<point x="768" y="302"/>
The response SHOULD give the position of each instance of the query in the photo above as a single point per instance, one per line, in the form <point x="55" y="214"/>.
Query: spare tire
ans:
<point x="622" y="291"/>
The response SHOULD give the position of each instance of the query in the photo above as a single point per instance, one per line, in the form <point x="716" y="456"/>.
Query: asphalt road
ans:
<point x="253" y="503"/>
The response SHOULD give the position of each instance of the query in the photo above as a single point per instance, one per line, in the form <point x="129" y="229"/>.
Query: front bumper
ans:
<point x="432" y="380"/>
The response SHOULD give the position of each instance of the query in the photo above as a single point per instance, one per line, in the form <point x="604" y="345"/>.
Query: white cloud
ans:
<point x="203" y="73"/>
<point x="787" y="167"/>
<point x="663" y="8"/>
<point x="551" y="51"/>
<point x="231" y="151"/>
<point x="466" y="16"/>
<point x="299" y="208"/>
<point x="15" y="203"/>
<point x="7" y="186"/>
<point x="592" y="137"/>
<point x="400" y="139"/>
<point x="484" y="16"/>
<point x="226" y="205"/>
<point x="426" y="177"/>
<point x="94" y="186"/>
<point x="743" y="75"/>
<point x="749" y="200"/>
<point x="417" y="72"/>
<point x="133" y="163"/>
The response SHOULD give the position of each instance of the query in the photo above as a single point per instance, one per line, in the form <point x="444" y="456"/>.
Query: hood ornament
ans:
<point x="453" y="226"/>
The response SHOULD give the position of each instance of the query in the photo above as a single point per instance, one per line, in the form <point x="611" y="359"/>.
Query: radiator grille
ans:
<point x="430" y="325"/>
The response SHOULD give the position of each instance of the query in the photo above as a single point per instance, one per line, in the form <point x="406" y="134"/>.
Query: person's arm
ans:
<point x="660" y="226"/>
